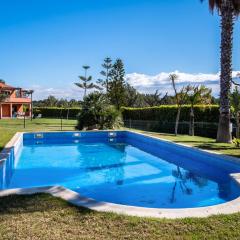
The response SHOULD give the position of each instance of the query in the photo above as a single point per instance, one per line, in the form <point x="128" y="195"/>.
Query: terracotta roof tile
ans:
<point x="3" y="85"/>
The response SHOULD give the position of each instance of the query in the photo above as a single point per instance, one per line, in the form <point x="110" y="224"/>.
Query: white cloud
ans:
<point x="67" y="92"/>
<point x="142" y="82"/>
<point x="148" y="83"/>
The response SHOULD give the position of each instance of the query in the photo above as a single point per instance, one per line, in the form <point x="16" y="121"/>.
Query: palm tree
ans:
<point x="197" y="95"/>
<point x="180" y="98"/>
<point x="86" y="82"/>
<point x="227" y="10"/>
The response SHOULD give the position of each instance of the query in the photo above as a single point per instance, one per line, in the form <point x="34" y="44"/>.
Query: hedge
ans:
<point x="167" y="113"/>
<point x="56" y="112"/>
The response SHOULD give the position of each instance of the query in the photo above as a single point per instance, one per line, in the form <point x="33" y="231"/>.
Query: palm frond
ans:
<point x="217" y="4"/>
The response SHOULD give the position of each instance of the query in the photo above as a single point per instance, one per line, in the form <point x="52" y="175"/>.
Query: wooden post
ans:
<point x="31" y="106"/>
<point x="10" y="110"/>
<point x="24" y="121"/>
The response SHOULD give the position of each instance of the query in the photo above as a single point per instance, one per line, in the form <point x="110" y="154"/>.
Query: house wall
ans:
<point x="6" y="110"/>
<point x="13" y="106"/>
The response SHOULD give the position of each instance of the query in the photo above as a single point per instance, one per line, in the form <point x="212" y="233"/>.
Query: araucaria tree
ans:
<point x="117" y="84"/>
<point x="106" y="73"/>
<point x="180" y="98"/>
<point x="227" y="10"/>
<point x="197" y="95"/>
<point x="86" y="82"/>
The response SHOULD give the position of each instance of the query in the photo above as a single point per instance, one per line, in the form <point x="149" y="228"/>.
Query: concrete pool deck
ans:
<point x="75" y="198"/>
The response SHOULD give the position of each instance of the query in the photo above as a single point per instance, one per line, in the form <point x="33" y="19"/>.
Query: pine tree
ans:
<point x="86" y="82"/>
<point x="106" y="73"/>
<point x="117" y="84"/>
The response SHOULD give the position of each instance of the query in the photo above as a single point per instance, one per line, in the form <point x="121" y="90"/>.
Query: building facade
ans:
<point x="15" y="103"/>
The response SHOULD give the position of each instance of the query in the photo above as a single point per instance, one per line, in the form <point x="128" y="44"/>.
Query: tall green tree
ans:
<point x="86" y="83"/>
<point x="106" y="73"/>
<point x="117" y="84"/>
<point x="227" y="9"/>
<point x="197" y="95"/>
<point x="132" y="96"/>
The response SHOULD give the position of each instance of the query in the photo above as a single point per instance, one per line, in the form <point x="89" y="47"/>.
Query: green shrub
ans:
<point x="56" y="112"/>
<point x="167" y="113"/>
<point x="236" y="142"/>
<point x="98" y="113"/>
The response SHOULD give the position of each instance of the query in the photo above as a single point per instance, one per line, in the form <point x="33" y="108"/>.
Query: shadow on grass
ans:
<point x="209" y="146"/>
<point x="189" y="141"/>
<point x="226" y="150"/>
<point x="40" y="202"/>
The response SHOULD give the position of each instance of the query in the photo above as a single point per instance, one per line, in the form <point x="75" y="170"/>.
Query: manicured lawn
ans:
<point x="41" y="216"/>
<point x="9" y="127"/>
<point x="200" y="142"/>
<point x="44" y="217"/>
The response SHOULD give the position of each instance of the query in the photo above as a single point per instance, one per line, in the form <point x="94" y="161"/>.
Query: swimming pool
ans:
<point x="121" y="167"/>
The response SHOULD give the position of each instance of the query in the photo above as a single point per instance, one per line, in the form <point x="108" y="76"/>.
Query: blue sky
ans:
<point x="44" y="43"/>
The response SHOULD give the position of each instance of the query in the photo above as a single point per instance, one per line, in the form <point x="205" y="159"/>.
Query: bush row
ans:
<point x="55" y="112"/>
<point x="166" y="113"/>
<point x="200" y="129"/>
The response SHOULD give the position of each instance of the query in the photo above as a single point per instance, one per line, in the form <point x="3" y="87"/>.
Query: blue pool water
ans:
<point x="129" y="169"/>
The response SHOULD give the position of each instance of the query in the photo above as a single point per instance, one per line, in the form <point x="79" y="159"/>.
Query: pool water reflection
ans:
<point x="124" y="173"/>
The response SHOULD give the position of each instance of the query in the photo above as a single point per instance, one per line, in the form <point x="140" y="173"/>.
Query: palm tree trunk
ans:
<point x="177" y="120"/>
<point x="237" y="131"/>
<point x="237" y="125"/>
<point x="224" y="134"/>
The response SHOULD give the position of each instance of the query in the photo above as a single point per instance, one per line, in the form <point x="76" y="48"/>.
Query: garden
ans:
<point x="190" y="115"/>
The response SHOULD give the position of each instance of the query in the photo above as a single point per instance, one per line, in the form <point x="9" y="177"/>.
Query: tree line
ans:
<point x="113" y="83"/>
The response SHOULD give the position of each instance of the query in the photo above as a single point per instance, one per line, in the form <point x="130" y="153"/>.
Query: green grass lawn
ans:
<point x="41" y="216"/>
<point x="9" y="127"/>
<point x="199" y="142"/>
<point x="44" y="217"/>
